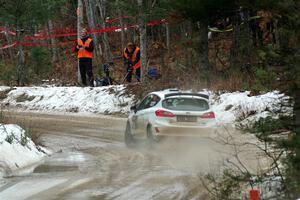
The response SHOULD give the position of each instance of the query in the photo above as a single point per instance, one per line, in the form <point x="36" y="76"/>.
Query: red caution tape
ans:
<point x="43" y="36"/>
<point x="117" y="19"/>
<point x="8" y="46"/>
<point x="29" y="44"/>
<point x="62" y="30"/>
<point x="106" y="30"/>
<point x="3" y="30"/>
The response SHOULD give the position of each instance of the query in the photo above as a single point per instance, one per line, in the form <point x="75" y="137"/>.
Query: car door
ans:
<point x="149" y="110"/>
<point x="138" y="117"/>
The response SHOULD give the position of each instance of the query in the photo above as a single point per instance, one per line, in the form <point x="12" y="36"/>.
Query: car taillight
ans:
<point x="209" y="115"/>
<point x="163" y="113"/>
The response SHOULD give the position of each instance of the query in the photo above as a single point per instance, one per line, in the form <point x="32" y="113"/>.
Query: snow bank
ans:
<point x="102" y="100"/>
<point x="239" y="106"/>
<point x="4" y="88"/>
<point x="228" y="107"/>
<point x="18" y="154"/>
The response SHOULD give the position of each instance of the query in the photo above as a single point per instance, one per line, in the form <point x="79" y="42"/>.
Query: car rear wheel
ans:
<point x="129" y="140"/>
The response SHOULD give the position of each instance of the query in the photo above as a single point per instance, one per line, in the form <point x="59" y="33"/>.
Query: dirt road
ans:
<point x="90" y="161"/>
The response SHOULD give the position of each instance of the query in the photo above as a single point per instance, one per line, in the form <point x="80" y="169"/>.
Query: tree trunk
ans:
<point x="107" y="51"/>
<point x="79" y="28"/>
<point x="202" y="50"/>
<point x="234" y="52"/>
<point x="52" y="41"/>
<point x="123" y="39"/>
<point x="9" y="41"/>
<point x="297" y="118"/>
<point x="168" y="37"/>
<point x="143" y="41"/>
<point x="297" y="100"/>
<point x="91" y="21"/>
<point x="21" y="59"/>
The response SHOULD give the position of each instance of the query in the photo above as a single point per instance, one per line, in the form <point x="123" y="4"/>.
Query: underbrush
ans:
<point x="280" y="180"/>
<point x="232" y="83"/>
<point x="7" y="118"/>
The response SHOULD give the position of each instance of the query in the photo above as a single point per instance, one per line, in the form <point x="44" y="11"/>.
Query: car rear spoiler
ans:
<point x="187" y="94"/>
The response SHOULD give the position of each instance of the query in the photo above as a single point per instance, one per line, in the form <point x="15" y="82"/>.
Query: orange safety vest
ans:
<point x="133" y="58"/>
<point x="82" y="53"/>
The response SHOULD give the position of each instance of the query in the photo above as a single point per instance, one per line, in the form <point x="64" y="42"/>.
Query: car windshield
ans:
<point x="185" y="104"/>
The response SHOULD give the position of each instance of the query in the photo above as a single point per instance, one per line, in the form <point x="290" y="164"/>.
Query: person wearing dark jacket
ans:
<point x="132" y="61"/>
<point x="85" y="49"/>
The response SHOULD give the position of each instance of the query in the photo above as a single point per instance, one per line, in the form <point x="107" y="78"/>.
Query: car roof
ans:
<point x="168" y="93"/>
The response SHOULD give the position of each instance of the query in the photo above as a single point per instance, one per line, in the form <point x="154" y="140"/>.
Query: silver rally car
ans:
<point x="170" y="113"/>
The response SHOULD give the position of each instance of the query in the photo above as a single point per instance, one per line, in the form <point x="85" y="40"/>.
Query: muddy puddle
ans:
<point x="54" y="168"/>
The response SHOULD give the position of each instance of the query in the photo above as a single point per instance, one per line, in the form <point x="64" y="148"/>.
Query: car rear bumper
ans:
<point x="185" y="131"/>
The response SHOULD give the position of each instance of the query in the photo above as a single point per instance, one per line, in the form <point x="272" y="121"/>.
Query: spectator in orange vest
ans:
<point x="85" y="49"/>
<point x="132" y="61"/>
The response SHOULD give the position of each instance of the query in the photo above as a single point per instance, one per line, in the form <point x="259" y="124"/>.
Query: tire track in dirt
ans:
<point x="108" y="169"/>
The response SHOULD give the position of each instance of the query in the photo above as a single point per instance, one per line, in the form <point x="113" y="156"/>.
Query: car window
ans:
<point x="185" y="104"/>
<point x="149" y="102"/>
<point x="144" y="103"/>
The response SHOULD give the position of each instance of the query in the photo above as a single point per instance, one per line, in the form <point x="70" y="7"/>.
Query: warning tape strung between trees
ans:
<point x="4" y="30"/>
<point x="216" y="30"/>
<point x="106" y="30"/>
<point x="29" y="44"/>
<point x="45" y="36"/>
<point x="108" y="21"/>
<point x="8" y="46"/>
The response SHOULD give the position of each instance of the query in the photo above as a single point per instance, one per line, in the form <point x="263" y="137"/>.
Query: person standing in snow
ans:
<point x="85" y="48"/>
<point x="132" y="61"/>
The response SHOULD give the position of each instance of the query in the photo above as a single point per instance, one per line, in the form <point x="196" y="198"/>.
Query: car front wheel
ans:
<point x="152" y="140"/>
<point x="129" y="140"/>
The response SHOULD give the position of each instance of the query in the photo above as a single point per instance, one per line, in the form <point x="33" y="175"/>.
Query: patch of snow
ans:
<point x="3" y="88"/>
<point x="101" y="100"/>
<point x="230" y="107"/>
<point x="142" y="189"/>
<point x="26" y="189"/>
<point x="73" y="157"/>
<point x="268" y="187"/>
<point x="18" y="154"/>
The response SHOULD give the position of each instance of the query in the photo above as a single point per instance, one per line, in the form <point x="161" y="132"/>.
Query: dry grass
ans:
<point x="3" y="94"/>
<point x="24" y="97"/>
<point x="233" y="83"/>
<point x="243" y="113"/>
<point x="7" y="118"/>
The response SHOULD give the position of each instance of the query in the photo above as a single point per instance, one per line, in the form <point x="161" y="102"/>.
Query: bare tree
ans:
<point x="143" y="40"/>
<point x="79" y="28"/>
<point x="21" y="57"/>
<point x="168" y="37"/>
<point x="123" y="36"/>
<point x="8" y="39"/>
<point x="52" y="41"/>
<point x="101" y="4"/>
<point x="90" y="12"/>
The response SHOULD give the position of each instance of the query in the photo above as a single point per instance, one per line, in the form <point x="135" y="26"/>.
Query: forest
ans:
<point x="220" y="45"/>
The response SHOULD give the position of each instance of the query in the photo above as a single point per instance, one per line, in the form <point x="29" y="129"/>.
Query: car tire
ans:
<point x="129" y="139"/>
<point x="151" y="139"/>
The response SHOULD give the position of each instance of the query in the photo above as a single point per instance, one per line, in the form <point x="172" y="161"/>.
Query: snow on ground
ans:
<point x="18" y="154"/>
<point x="101" y="100"/>
<point x="3" y="88"/>
<point x="239" y="106"/>
<point x="228" y="107"/>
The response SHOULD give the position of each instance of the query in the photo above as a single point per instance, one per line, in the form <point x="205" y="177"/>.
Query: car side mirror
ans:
<point x="133" y="108"/>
